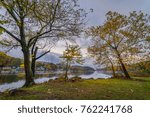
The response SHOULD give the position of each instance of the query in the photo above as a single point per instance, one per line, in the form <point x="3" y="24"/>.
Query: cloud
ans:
<point x="101" y="7"/>
<point x="82" y="42"/>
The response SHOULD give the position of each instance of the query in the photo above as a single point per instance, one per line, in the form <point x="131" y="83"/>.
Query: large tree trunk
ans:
<point x="28" y="71"/>
<point x="33" y="66"/>
<point x="26" y="52"/>
<point x="127" y="76"/>
<point x="35" y="58"/>
<point x="33" y="63"/>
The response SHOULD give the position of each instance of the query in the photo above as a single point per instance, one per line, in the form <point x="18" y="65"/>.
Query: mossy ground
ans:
<point x="100" y="89"/>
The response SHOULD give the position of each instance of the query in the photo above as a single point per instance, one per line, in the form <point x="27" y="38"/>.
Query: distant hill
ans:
<point x="82" y="69"/>
<point x="51" y="58"/>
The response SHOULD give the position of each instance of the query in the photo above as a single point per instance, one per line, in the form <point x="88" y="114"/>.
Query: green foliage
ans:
<point x="16" y="62"/>
<point x="140" y="69"/>
<point x="72" y="54"/>
<point x="34" y="24"/>
<point x="1" y="23"/>
<point x="46" y="66"/>
<point x="4" y="59"/>
<point x="148" y="38"/>
<point x="1" y="31"/>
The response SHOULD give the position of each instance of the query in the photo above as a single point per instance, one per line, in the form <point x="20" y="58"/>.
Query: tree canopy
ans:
<point x="120" y="38"/>
<point x="33" y="24"/>
<point x="71" y="55"/>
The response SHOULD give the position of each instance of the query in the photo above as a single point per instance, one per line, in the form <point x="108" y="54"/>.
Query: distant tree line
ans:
<point x="8" y="61"/>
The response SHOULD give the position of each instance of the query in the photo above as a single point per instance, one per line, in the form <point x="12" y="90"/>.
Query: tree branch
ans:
<point x="10" y="11"/>
<point x="38" y="35"/>
<point x="8" y="32"/>
<point x="42" y="55"/>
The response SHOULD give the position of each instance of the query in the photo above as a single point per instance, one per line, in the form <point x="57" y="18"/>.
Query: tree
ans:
<point x="144" y="66"/>
<point x="71" y="55"/>
<point x="4" y="60"/>
<point x="103" y="56"/>
<point x="15" y="62"/>
<point x="70" y="21"/>
<point x="122" y="35"/>
<point x="21" y="19"/>
<point x="29" y="22"/>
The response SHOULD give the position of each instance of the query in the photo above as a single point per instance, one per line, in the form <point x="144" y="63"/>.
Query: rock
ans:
<point x="14" y="92"/>
<point x="75" y="79"/>
<point x="60" y="79"/>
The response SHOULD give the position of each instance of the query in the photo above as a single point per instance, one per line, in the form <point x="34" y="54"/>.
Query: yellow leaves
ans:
<point x="119" y="33"/>
<point x="22" y="65"/>
<point x="19" y="24"/>
<point x="148" y="38"/>
<point x="1" y="30"/>
<point x="3" y="21"/>
<point x="72" y="54"/>
<point x="61" y="34"/>
<point x="4" y="58"/>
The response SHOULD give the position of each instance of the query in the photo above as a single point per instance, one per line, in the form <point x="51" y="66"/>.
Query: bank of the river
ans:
<point x="9" y="82"/>
<point x="137" y="88"/>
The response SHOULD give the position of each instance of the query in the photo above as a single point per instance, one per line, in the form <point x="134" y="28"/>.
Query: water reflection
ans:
<point x="8" y="78"/>
<point x="95" y="75"/>
<point x="9" y="82"/>
<point x="20" y="83"/>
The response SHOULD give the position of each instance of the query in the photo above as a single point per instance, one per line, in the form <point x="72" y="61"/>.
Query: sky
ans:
<point x="100" y="8"/>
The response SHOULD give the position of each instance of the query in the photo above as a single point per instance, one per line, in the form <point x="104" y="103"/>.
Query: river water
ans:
<point x="14" y="83"/>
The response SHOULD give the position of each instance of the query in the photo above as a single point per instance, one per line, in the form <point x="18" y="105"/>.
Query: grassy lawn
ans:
<point x="100" y="89"/>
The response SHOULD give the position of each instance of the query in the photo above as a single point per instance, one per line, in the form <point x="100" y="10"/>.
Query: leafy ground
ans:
<point x="100" y="89"/>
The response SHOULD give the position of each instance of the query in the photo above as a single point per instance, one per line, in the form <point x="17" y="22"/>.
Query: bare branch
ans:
<point x="8" y="32"/>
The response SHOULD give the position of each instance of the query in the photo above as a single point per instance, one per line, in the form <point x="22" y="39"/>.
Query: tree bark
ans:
<point x="35" y="58"/>
<point x="33" y="62"/>
<point x="33" y="66"/>
<point x="112" y="67"/>
<point x="114" y="74"/>
<point x="27" y="67"/>
<point x="127" y="76"/>
<point x="66" y="72"/>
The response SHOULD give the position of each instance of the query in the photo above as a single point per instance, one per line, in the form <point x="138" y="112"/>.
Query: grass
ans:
<point x="100" y="89"/>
